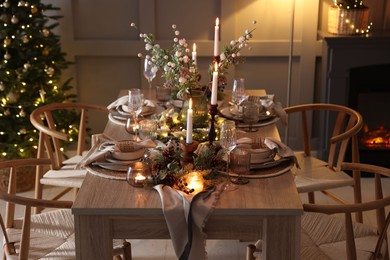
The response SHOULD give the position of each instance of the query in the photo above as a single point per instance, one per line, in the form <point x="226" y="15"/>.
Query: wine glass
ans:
<point x="150" y="71"/>
<point x="239" y="91"/>
<point x="228" y="139"/>
<point x="134" y="104"/>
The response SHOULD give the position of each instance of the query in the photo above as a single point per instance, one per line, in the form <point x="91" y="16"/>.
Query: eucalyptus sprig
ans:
<point x="176" y="66"/>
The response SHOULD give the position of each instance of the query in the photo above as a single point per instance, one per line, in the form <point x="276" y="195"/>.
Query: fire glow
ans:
<point x="378" y="138"/>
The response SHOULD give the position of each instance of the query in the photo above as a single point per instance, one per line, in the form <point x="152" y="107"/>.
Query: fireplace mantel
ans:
<point x="341" y="53"/>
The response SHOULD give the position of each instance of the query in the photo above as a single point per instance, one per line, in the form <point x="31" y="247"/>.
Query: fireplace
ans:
<point x="356" y="73"/>
<point x="369" y="94"/>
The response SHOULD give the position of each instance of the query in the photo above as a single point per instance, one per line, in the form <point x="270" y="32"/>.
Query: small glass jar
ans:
<point x="148" y="129"/>
<point x="163" y="93"/>
<point x="138" y="174"/>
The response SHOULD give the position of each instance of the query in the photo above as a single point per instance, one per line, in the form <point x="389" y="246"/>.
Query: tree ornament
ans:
<point x="25" y="39"/>
<point x="42" y="93"/>
<point x="6" y="4"/>
<point x="26" y="66"/>
<point x="7" y="41"/>
<point x="4" y="18"/>
<point x="2" y="86"/>
<point x="7" y="56"/>
<point x="45" y="52"/>
<point x="23" y="131"/>
<point x="12" y="97"/>
<point x="45" y="32"/>
<point x="49" y="71"/>
<point x="14" y="19"/>
<point x="22" y="113"/>
<point x="7" y="112"/>
<point x="21" y="3"/>
<point x="34" y="9"/>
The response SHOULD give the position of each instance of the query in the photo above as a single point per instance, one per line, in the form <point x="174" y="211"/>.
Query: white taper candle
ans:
<point x="216" y="38"/>
<point x="214" y="87"/>
<point x="189" y="123"/>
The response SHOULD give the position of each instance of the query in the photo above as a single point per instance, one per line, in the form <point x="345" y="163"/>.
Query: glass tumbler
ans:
<point x="251" y="113"/>
<point x="148" y="129"/>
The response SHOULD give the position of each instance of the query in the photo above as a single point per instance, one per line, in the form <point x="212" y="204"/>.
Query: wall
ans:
<point x="97" y="36"/>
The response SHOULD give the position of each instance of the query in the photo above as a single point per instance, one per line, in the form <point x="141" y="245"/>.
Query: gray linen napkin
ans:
<point x="186" y="216"/>
<point x="271" y="143"/>
<point x="268" y="102"/>
<point x="100" y="150"/>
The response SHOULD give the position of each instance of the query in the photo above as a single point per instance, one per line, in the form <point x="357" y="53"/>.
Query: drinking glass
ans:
<point x="135" y="102"/>
<point x="239" y="91"/>
<point x="250" y="114"/>
<point x="228" y="139"/>
<point x="150" y="71"/>
<point x="148" y="129"/>
<point x="240" y="159"/>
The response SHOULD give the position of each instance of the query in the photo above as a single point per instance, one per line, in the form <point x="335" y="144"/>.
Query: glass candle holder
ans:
<point x="138" y="173"/>
<point x="148" y="129"/>
<point x="195" y="182"/>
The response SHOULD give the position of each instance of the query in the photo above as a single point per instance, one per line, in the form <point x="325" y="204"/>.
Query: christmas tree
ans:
<point x="30" y="70"/>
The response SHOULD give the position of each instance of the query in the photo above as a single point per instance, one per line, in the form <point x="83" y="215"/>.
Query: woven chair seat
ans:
<point x="52" y="236"/>
<point x="324" y="236"/>
<point x="314" y="175"/>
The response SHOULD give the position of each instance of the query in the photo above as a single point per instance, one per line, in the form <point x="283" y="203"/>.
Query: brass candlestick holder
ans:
<point x="212" y="134"/>
<point x="187" y="156"/>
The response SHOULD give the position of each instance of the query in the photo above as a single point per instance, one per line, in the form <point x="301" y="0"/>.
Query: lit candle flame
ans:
<point x="190" y="104"/>
<point x="194" y="47"/>
<point x="217" y="22"/>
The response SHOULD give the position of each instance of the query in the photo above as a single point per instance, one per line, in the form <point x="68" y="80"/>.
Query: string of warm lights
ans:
<point x="349" y="17"/>
<point x="30" y="71"/>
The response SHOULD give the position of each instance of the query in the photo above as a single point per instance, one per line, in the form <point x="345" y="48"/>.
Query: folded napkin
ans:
<point x="270" y="144"/>
<point x="268" y="102"/>
<point x="100" y="150"/>
<point x="121" y="104"/>
<point x="186" y="216"/>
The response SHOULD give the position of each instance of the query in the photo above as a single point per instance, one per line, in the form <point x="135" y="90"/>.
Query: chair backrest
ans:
<point x="378" y="204"/>
<point x="42" y="119"/>
<point x="12" y="199"/>
<point x="348" y="123"/>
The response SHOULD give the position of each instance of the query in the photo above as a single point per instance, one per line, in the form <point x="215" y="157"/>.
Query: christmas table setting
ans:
<point x="185" y="156"/>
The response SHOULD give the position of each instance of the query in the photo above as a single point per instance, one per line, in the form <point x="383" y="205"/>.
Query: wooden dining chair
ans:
<point x="62" y="172"/>
<point x="316" y="174"/>
<point x="48" y="235"/>
<point x="328" y="231"/>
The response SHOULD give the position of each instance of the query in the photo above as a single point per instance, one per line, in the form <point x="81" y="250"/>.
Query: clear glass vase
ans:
<point x="200" y="109"/>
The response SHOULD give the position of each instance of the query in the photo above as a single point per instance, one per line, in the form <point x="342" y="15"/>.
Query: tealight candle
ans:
<point x="216" y="38"/>
<point x="189" y="123"/>
<point x="214" y="88"/>
<point x="139" y="179"/>
<point x="195" y="182"/>
<point x="194" y="58"/>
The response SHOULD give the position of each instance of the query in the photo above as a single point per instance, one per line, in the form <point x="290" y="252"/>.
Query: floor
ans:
<point x="226" y="250"/>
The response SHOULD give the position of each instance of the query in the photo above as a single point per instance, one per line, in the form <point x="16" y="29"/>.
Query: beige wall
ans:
<point x="97" y="36"/>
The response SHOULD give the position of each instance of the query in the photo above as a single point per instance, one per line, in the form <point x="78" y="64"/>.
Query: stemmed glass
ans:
<point x="228" y="139"/>
<point x="149" y="71"/>
<point x="239" y="91"/>
<point x="134" y="104"/>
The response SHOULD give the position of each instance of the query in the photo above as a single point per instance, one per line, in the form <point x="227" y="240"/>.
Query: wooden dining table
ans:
<point x="269" y="209"/>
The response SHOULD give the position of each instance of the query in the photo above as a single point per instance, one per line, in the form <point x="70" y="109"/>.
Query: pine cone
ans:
<point x="170" y="179"/>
